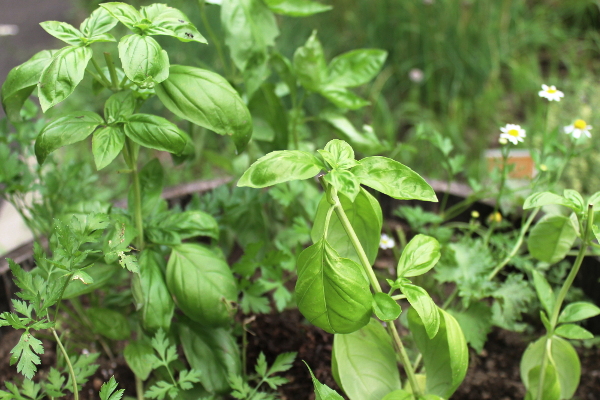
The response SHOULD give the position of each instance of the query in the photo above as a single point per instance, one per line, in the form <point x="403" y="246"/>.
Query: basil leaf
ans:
<point x="420" y="300"/>
<point x="332" y="292"/>
<point x="100" y="21"/>
<point x="62" y="75"/>
<point x="355" y="68"/>
<point x="342" y="152"/>
<point x="578" y="311"/>
<point x="343" y="98"/>
<point x="366" y="220"/>
<point x="284" y="68"/>
<point x="155" y="133"/>
<point x="309" y="64"/>
<point x="364" y="363"/>
<point x="366" y="142"/>
<point x="21" y="81"/>
<point x="404" y="395"/>
<point x="551" y="238"/>
<point x="214" y="351"/>
<point x="150" y="292"/>
<point x="296" y="8"/>
<point x="109" y="323"/>
<point x="202" y="284"/>
<point x="392" y="178"/>
<point x="65" y="130"/>
<point x="551" y="385"/>
<point x="268" y="107"/>
<point x="344" y="181"/>
<point x="322" y="391"/>
<point x="419" y="256"/>
<point x="138" y="356"/>
<point x="143" y="60"/>
<point x="63" y="31"/>
<point x="385" y="308"/>
<point x="125" y="13"/>
<point x="562" y="356"/>
<point x="119" y="106"/>
<point x="546" y="198"/>
<point x="574" y="332"/>
<point x="171" y="22"/>
<point x="250" y="28"/>
<point x="446" y="356"/>
<point x="189" y="224"/>
<point x="208" y="100"/>
<point x="107" y="143"/>
<point x="544" y="291"/>
<point x="280" y="166"/>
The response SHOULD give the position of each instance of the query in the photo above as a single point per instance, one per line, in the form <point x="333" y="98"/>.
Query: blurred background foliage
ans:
<point x="462" y="68"/>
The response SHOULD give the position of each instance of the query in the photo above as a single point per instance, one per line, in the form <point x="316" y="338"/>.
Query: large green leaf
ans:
<point x="446" y="356"/>
<point x="107" y="143"/>
<point x="100" y="21"/>
<point x="171" y="22"/>
<point x="125" y="13"/>
<point x="63" y="31"/>
<point x="366" y="220"/>
<point x="208" y="100"/>
<point x="578" y="311"/>
<point x="21" y="81"/>
<point x="62" y="75"/>
<point x="214" y="351"/>
<point x="343" y="98"/>
<point x="250" y="28"/>
<point x="156" y="133"/>
<point x="420" y="300"/>
<point x="109" y="323"/>
<point x="143" y="60"/>
<point x="562" y="356"/>
<point x="551" y="238"/>
<point x="202" y="284"/>
<point x="364" y="363"/>
<point x="394" y="179"/>
<point x="419" y="256"/>
<point x="332" y="292"/>
<point x="65" y="130"/>
<point x="309" y="64"/>
<point x="119" y="106"/>
<point x="296" y="8"/>
<point x="150" y="292"/>
<point x="545" y="198"/>
<point x="355" y="67"/>
<point x="280" y="166"/>
<point x="139" y="355"/>
<point x="189" y="224"/>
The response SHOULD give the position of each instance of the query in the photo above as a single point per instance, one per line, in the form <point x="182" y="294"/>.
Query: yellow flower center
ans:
<point x="551" y="90"/>
<point x="580" y="124"/>
<point x="513" y="132"/>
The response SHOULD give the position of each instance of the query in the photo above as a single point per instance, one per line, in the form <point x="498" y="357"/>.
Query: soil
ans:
<point x="493" y="374"/>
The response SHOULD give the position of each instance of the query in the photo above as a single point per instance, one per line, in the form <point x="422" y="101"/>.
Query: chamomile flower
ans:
<point x="386" y="242"/>
<point x="577" y="128"/>
<point x="513" y="133"/>
<point x="551" y="93"/>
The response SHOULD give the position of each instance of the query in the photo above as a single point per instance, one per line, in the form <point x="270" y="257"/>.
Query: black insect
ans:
<point x="181" y="21"/>
<point x="189" y="35"/>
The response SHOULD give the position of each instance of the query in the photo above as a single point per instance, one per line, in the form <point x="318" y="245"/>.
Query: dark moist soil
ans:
<point x="493" y="374"/>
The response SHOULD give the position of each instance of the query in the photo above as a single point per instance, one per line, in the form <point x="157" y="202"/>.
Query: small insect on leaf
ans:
<point x="189" y="35"/>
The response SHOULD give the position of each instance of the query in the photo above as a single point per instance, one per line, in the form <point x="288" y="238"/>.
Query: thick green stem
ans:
<point x="139" y="388"/>
<point x="391" y="328"/>
<point x="563" y="293"/>
<point x="112" y="71"/>
<point x="101" y="75"/>
<point x="130" y="156"/>
<point x="69" y="365"/>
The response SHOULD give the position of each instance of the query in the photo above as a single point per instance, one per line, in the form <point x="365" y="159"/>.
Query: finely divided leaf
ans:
<point x="26" y="351"/>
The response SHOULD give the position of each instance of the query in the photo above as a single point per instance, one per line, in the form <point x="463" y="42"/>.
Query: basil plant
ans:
<point x="338" y="291"/>
<point x="168" y="273"/>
